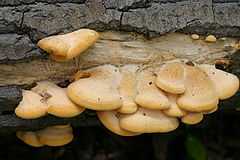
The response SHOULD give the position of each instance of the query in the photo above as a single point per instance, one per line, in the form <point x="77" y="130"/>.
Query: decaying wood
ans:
<point x="118" y="48"/>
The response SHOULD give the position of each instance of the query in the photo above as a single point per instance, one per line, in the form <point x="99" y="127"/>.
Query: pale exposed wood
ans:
<point x="118" y="48"/>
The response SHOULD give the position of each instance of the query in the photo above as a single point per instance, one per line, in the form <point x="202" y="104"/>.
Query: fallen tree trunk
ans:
<point x="23" y="23"/>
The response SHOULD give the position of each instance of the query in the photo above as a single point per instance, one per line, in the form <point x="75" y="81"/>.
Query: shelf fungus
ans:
<point x="46" y="98"/>
<point x="99" y="91"/>
<point x="51" y="136"/>
<point x="110" y="119"/>
<point x="67" y="46"/>
<point x="135" y="85"/>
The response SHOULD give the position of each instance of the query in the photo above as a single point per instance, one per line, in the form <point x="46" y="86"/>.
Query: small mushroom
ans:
<point x="56" y="135"/>
<point x="200" y="93"/>
<point x="226" y="84"/>
<point x="149" y="96"/>
<point x="32" y="106"/>
<point x="192" y="118"/>
<point x="195" y="36"/>
<point x="58" y="102"/>
<point x="174" y="110"/>
<point x="110" y="119"/>
<point x="170" y="78"/>
<point x="148" y="121"/>
<point x="29" y="138"/>
<point x="70" y="45"/>
<point x="127" y="89"/>
<point x="211" y="39"/>
<point x="99" y="91"/>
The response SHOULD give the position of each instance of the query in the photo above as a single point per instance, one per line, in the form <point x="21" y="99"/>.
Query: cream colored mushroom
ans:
<point x="32" y="106"/>
<point x="200" y="93"/>
<point x="170" y="78"/>
<point x="149" y="96"/>
<point x="211" y="38"/>
<point x="99" y="91"/>
<point x="192" y="118"/>
<point x="128" y="90"/>
<point x="148" y="121"/>
<point x="195" y="36"/>
<point x="29" y="138"/>
<point x="226" y="84"/>
<point x="174" y="110"/>
<point x="70" y="45"/>
<point x="58" y="102"/>
<point x="56" y="135"/>
<point x="110" y="119"/>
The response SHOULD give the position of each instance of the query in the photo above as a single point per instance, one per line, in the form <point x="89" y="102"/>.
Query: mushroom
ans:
<point x="211" y="38"/>
<point x="195" y="36"/>
<point x="32" y="106"/>
<point x="174" y="110"/>
<point x="149" y="96"/>
<point x="148" y="121"/>
<point x="56" y="135"/>
<point x="226" y="84"/>
<point x="170" y="78"/>
<point x="192" y="118"/>
<point x="29" y="138"/>
<point x="57" y="100"/>
<point x="127" y="89"/>
<point x="99" y="91"/>
<point x="200" y="92"/>
<point x="70" y="45"/>
<point x="110" y="119"/>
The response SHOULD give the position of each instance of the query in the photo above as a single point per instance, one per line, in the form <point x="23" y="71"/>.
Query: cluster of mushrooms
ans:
<point x="129" y="100"/>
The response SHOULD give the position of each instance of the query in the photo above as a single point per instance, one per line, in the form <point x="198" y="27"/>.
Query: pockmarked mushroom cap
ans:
<point x="67" y="46"/>
<point x="99" y="91"/>
<point x="192" y="118"/>
<point x="58" y="102"/>
<point x="200" y="93"/>
<point x="29" y="138"/>
<point x="148" y="121"/>
<point x="170" y="78"/>
<point x="149" y="96"/>
<point x="174" y="110"/>
<point x="127" y="89"/>
<point x="32" y="106"/>
<point x="55" y="136"/>
<point x="226" y="84"/>
<point x="110" y="119"/>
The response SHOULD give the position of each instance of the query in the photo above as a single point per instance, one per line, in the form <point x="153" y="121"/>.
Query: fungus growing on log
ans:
<point x="110" y="119"/>
<point x="170" y="78"/>
<point x="32" y="106"/>
<point x="127" y="89"/>
<point x="149" y="96"/>
<point x="57" y="100"/>
<point x="148" y="121"/>
<point x="99" y="91"/>
<point x="58" y="135"/>
<point x="67" y="46"/>
<point x="200" y="93"/>
<point x="192" y="118"/>
<point x="226" y="84"/>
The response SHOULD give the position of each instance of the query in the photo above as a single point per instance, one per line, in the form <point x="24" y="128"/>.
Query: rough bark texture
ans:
<point x="24" y="22"/>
